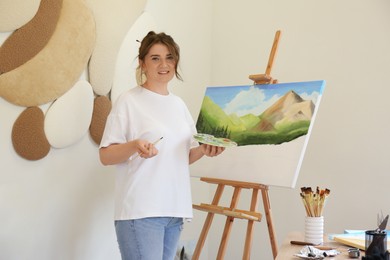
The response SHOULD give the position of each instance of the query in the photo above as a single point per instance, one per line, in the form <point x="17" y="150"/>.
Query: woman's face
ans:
<point x="159" y="64"/>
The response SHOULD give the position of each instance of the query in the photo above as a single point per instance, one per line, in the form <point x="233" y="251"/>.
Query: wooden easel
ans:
<point x="266" y="78"/>
<point x="232" y="212"/>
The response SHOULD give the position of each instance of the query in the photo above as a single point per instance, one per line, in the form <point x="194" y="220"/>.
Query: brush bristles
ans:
<point x="314" y="202"/>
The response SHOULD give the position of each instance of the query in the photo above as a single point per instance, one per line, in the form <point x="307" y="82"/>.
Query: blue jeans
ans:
<point x="148" y="238"/>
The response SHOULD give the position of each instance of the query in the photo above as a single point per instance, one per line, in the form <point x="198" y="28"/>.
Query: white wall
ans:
<point x="347" y="44"/>
<point x="61" y="207"/>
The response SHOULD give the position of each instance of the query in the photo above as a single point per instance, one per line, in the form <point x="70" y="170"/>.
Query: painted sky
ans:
<point x="255" y="99"/>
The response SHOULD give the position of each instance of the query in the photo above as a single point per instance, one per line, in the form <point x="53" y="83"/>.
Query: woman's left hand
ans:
<point x="211" y="150"/>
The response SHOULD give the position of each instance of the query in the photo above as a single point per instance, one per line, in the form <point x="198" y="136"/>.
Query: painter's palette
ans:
<point x="216" y="141"/>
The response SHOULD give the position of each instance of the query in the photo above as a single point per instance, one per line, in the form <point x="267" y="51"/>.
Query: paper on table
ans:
<point x="354" y="238"/>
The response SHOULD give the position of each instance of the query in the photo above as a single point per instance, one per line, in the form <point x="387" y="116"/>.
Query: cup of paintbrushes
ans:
<point x="314" y="202"/>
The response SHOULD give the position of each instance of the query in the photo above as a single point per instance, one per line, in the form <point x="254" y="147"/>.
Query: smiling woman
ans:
<point x="139" y="117"/>
<point x="158" y="61"/>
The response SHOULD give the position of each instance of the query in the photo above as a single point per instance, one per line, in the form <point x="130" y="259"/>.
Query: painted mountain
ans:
<point x="259" y="114"/>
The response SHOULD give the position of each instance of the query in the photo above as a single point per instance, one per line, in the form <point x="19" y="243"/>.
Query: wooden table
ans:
<point x="287" y="251"/>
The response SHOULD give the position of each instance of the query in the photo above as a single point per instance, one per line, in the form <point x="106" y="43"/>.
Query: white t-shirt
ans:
<point x="158" y="186"/>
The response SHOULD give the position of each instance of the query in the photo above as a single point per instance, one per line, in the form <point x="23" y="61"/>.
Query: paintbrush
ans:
<point x="314" y="202"/>
<point x="154" y="143"/>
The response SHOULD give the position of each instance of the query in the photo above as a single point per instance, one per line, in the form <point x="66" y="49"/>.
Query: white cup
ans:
<point x="314" y="230"/>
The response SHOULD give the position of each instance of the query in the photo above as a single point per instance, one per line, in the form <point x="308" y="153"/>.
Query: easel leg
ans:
<point x="249" y="229"/>
<point x="207" y="223"/>
<point x="228" y="225"/>
<point x="232" y="213"/>
<point x="271" y="231"/>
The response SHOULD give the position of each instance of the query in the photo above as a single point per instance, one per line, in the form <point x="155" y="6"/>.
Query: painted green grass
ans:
<point x="240" y="130"/>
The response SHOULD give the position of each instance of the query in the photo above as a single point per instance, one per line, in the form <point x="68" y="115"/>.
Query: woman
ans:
<point x="149" y="136"/>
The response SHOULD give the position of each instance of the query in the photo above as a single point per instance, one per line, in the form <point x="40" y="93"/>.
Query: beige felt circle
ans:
<point x="28" y="136"/>
<point x="101" y="109"/>
<point x="111" y="28"/>
<point x="127" y="61"/>
<point x="56" y="68"/>
<point x="28" y="40"/>
<point x="68" y="118"/>
<point x="16" y="13"/>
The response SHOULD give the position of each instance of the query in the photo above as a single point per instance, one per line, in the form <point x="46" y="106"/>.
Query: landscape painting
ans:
<point x="259" y="114"/>
<point x="271" y="125"/>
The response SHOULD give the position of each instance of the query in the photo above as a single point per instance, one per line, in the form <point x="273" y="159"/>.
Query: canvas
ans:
<point x="271" y="125"/>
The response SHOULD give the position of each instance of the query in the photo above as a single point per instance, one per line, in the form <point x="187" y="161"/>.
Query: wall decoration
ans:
<point x="111" y="28"/>
<point x="57" y="67"/>
<point x="69" y="117"/>
<point x="45" y="61"/>
<point x="28" y="137"/>
<point x="101" y="108"/>
<point x="127" y="60"/>
<point x="27" y="41"/>
<point x="16" y="13"/>
<point x="271" y="125"/>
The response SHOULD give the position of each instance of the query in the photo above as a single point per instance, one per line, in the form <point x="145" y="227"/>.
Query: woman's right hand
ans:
<point x="145" y="148"/>
<point x="119" y="153"/>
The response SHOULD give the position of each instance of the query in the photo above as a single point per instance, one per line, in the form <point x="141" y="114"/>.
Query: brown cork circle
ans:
<point x="101" y="109"/>
<point x="28" y="136"/>
<point x="27" y="41"/>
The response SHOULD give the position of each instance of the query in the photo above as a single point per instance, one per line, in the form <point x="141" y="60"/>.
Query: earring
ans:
<point x="140" y="76"/>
